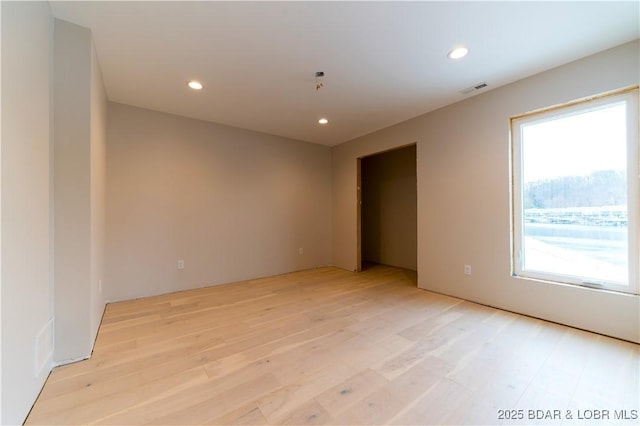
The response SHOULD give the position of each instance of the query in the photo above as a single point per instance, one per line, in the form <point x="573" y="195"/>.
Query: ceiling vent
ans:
<point x="474" y="88"/>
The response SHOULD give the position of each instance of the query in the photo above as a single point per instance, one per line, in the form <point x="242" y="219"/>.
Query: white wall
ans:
<point x="80" y="130"/>
<point x="27" y="34"/>
<point x="233" y="204"/>
<point x="463" y="196"/>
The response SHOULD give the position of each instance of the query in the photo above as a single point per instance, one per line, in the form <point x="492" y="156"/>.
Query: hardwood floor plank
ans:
<point x="210" y="391"/>
<point x="438" y="403"/>
<point x="250" y="414"/>
<point x="375" y="408"/>
<point x="328" y="346"/>
<point x="224" y="403"/>
<point x="310" y="413"/>
<point x="96" y="410"/>
<point x="340" y="397"/>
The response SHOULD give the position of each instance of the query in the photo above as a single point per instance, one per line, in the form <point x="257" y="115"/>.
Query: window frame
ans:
<point x="628" y="95"/>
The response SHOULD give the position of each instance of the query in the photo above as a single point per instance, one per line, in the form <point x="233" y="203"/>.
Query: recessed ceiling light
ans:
<point x="323" y="121"/>
<point x="195" y="85"/>
<point x="458" y="52"/>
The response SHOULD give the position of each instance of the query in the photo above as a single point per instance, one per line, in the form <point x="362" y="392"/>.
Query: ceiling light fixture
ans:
<point x="323" y="121"/>
<point x="195" y="85"/>
<point x="458" y="52"/>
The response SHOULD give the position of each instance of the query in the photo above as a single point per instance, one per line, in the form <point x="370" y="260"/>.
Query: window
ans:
<point x="575" y="193"/>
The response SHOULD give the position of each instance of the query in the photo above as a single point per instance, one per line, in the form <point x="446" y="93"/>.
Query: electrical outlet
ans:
<point x="467" y="269"/>
<point x="301" y="250"/>
<point x="180" y="264"/>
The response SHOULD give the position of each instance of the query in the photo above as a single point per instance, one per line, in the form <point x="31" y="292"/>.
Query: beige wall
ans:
<point x="80" y="129"/>
<point x="463" y="196"/>
<point x="26" y="195"/>
<point x="389" y="208"/>
<point x="233" y="204"/>
<point x="53" y="198"/>
<point x="98" y="161"/>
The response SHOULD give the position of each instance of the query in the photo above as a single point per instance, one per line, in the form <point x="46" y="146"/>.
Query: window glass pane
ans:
<point x="574" y="195"/>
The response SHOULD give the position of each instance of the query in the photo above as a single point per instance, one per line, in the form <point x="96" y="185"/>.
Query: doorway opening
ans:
<point x="388" y="209"/>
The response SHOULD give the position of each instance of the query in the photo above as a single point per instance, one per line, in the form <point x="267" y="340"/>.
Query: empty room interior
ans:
<point x="319" y="212"/>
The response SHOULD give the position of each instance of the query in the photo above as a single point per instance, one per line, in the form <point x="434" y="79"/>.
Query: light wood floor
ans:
<point x="328" y="346"/>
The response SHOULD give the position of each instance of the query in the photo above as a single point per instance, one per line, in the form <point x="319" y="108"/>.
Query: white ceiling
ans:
<point x="385" y="62"/>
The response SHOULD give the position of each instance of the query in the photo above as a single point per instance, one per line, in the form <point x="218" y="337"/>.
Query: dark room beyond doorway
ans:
<point x="389" y="208"/>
